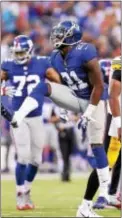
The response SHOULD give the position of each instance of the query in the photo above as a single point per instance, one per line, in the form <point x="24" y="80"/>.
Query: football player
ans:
<point x="83" y="91"/>
<point x="108" y="141"/>
<point x="24" y="72"/>
<point x="115" y="127"/>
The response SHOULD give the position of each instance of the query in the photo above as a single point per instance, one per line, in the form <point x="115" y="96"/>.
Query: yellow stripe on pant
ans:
<point x="113" y="151"/>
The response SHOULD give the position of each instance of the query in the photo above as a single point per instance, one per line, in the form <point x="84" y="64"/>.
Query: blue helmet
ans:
<point x="66" y="33"/>
<point x="22" y="49"/>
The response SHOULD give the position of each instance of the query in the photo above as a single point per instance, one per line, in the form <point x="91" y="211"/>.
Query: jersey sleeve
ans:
<point x="5" y="66"/>
<point x="117" y="75"/>
<point x="47" y="63"/>
<point x="52" y="58"/>
<point x="89" y="52"/>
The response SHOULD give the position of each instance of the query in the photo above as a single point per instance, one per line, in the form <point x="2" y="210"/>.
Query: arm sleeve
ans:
<point x="117" y="75"/>
<point x="89" y="52"/>
<point x="6" y="66"/>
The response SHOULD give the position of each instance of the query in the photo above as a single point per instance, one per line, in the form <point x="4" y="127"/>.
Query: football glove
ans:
<point x="8" y="90"/>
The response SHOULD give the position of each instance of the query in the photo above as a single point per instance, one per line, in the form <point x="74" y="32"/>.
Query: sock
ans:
<point x="100" y="155"/>
<point x="20" y="188"/>
<point x="92" y="186"/>
<point x="20" y="176"/>
<point x="30" y="175"/>
<point x="86" y="204"/>
<point x="28" y="105"/>
<point x="103" y="175"/>
<point x="102" y="169"/>
<point x="32" y="102"/>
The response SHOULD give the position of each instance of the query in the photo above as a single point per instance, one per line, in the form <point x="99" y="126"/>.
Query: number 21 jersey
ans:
<point x="72" y="69"/>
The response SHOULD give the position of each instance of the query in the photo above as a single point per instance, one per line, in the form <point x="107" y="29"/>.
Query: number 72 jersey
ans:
<point x="25" y="78"/>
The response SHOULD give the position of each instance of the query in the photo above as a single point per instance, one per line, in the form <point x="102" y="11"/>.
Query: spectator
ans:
<point x="101" y="22"/>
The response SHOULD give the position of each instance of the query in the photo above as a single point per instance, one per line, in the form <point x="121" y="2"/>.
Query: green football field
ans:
<point x="52" y="198"/>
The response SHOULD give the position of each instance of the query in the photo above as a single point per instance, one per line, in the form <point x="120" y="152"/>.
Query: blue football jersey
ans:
<point x="72" y="68"/>
<point x="25" y="78"/>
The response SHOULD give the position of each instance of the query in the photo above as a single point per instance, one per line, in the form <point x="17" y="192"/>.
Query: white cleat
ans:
<point x="29" y="205"/>
<point x="83" y="212"/>
<point x="20" y="201"/>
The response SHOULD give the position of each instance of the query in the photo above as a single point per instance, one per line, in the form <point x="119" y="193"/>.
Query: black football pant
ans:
<point x="115" y="176"/>
<point x="66" y="141"/>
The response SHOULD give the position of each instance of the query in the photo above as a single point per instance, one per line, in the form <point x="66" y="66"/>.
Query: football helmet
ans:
<point x="66" y="33"/>
<point x="22" y="49"/>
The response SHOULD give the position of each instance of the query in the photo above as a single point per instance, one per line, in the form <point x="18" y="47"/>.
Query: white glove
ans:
<point x="64" y="115"/>
<point x="8" y="90"/>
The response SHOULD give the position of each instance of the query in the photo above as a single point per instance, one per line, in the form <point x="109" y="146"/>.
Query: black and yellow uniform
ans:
<point x="114" y="144"/>
<point x="117" y="167"/>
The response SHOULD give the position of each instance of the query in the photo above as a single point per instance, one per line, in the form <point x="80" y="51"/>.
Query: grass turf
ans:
<point x="51" y="197"/>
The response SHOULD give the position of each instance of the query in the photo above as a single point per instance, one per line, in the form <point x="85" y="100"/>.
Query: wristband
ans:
<point x="117" y="121"/>
<point x="90" y="110"/>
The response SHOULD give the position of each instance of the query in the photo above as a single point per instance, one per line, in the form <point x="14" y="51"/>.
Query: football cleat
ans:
<point x="115" y="201"/>
<point x="101" y="203"/>
<point x="83" y="212"/>
<point x="20" y="201"/>
<point x="29" y="205"/>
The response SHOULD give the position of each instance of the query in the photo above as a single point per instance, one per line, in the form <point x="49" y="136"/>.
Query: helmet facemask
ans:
<point x="59" y="34"/>
<point x="21" y="56"/>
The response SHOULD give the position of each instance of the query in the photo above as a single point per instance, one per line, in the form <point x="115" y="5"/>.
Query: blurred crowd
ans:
<point x="100" y="21"/>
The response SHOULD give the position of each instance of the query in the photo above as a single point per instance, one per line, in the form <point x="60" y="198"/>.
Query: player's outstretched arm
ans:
<point x="95" y="77"/>
<point x="53" y="76"/>
<point x="96" y="80"/>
